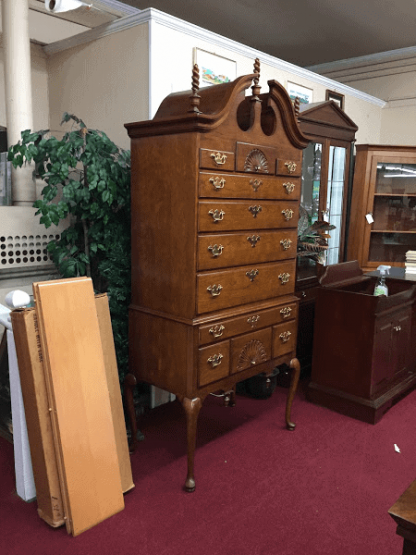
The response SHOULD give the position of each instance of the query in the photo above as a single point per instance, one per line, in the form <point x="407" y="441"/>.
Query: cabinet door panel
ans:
<point x="381" y="372"/>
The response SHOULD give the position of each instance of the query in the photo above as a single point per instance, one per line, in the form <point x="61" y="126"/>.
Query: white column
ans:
<point x="18" y="82"/>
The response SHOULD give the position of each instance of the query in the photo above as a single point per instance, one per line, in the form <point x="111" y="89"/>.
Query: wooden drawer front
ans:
<point x="288" y="167"/>
<point x="251" y="349"/>
<point x="238" y="249"/>
<point x="223" y="329"/>
<point x="235" y="215"/>
<point x="217" y="290"/>
<point x="284" y="338"/>
<point x="218" y="185"/>
<point x="308" y="294"/>
<point x="213" y="363"/>
<point x="216" y="159"/>
<point x="255" y="159"/>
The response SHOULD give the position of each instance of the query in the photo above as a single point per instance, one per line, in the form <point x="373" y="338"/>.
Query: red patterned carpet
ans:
<point x="261" y="490"/>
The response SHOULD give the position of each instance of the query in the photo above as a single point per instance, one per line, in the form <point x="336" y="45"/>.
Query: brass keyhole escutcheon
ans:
<point x="217" y="183"/>
<point x="285" y="336"/>
<point x="255" y="183"/>
<point x="253" y="320"/>
<point x="286" y="243"/>
<point x="286" y="311"/>
<point x="253" y="239"/>
<point x="217" y="331"/>
<point x="288" y="214"/>
<point x="219" y="158"/>
<point x="217" y="215"/>
<point x="284" y="277"/>
<point x="255" y="210"/>
<point x="215" y="360"/>
<point x="216" y="250"/>
<point x="252" y="274"/>
<point x="215" y="290"/>
<point x="290" y="187"/>
<point x="291" y="167"/>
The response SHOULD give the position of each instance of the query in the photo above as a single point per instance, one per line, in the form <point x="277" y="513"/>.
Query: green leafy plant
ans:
<point x="87" y="180"/>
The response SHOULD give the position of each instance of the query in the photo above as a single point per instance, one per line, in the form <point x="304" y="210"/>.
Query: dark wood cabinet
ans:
<point x="216" y="179"/>
<point x="384" y="206"/>
<point x="326" y="189"/>
<point x="362" y="352"/>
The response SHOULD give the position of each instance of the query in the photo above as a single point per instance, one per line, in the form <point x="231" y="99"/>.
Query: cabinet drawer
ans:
<point x="235" y="215"/>
<point x="255" y="159"/>
<point x="223" y="329"/>
<point x="288" y="166"/>
<point x="217" y="290"/>
<point x="216" y="159"/>
<point x="218" y="185"/>
<point x="213" y="362"/>
<point x="238" y="249"/>
<point x="251" y="349"/>
<point x="284" y="338"/>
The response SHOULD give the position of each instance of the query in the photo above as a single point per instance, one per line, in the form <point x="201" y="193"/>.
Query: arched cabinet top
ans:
<point x="227" y="106"/>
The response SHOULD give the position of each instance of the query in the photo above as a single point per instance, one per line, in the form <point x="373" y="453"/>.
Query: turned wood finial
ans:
<point x="255" y="88"/>
<point x="296" y="106"/>
<point x="195" y="98"/>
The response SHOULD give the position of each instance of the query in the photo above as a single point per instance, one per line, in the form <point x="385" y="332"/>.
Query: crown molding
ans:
<point x="156" y="16"/>
<point x="396" y="56"/>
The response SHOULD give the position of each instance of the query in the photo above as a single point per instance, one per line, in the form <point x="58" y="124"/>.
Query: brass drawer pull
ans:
<point x="286" y="244"/>
<point x="252" y="274"/>
<point x="291" y="166"/>
<point x="284" y="278"/>
<point x="253" y="320"/>
<point x="215" y="290"/>
<point x="217" y="331"/>
<point x="288" y="214"/>
<point x="286" y="311"/>
<point x="397" y="328"/>
<point x="285" y="336"/>
<point x="215" y="360"/>
<point x="217" y="215"/>
<point x="219" y="158"/>
<point x="255" y="183"/>
<point x="253" y="239"/>
<point x="255" y="210"/>
<point x="290" y="187"/>
<point x="217" y="183"/>
<point x="216" y="250"/>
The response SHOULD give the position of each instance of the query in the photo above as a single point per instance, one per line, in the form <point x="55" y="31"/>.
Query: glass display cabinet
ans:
<point x="326" y="171"/>
<point x="384" y="206"/>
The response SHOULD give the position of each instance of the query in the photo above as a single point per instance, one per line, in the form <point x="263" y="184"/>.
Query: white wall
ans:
<point x="104" y="82"/>
<point x="390" y="76"/>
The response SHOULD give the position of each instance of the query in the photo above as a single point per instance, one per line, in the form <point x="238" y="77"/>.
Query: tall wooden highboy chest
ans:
<point x="215" y="198"/>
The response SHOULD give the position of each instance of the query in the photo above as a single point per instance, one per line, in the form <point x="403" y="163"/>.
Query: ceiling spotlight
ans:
<point x="56" y="6"/>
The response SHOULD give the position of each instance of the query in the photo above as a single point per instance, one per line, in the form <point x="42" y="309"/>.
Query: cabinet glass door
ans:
<point x="311" y="180"/>
<point x="335" y="201"/>
<point x="394" y="211"/>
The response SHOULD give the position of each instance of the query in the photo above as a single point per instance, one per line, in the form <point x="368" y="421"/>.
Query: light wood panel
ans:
<point x="81" y="413"/>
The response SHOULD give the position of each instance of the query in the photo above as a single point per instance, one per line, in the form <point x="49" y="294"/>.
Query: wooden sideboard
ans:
<point x="362" y="353"/>
<point x="215" y="201"/>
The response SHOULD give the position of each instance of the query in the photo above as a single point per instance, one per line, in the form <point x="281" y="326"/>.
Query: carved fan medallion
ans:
<point x="256" y="161"/>
<point x="252" y="353"/>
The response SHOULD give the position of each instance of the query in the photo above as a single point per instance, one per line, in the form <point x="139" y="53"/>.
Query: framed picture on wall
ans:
<point x="335" y="97"/>
<point x="303" y="93"/>
<point x="214" y="69"/>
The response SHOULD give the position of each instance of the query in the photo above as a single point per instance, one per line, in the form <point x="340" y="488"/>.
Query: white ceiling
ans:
<point x="303" y="32"/>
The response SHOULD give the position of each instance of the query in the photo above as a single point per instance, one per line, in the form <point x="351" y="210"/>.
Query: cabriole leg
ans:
<point x="192" y="408"/>
<point x="295" y="365"/>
